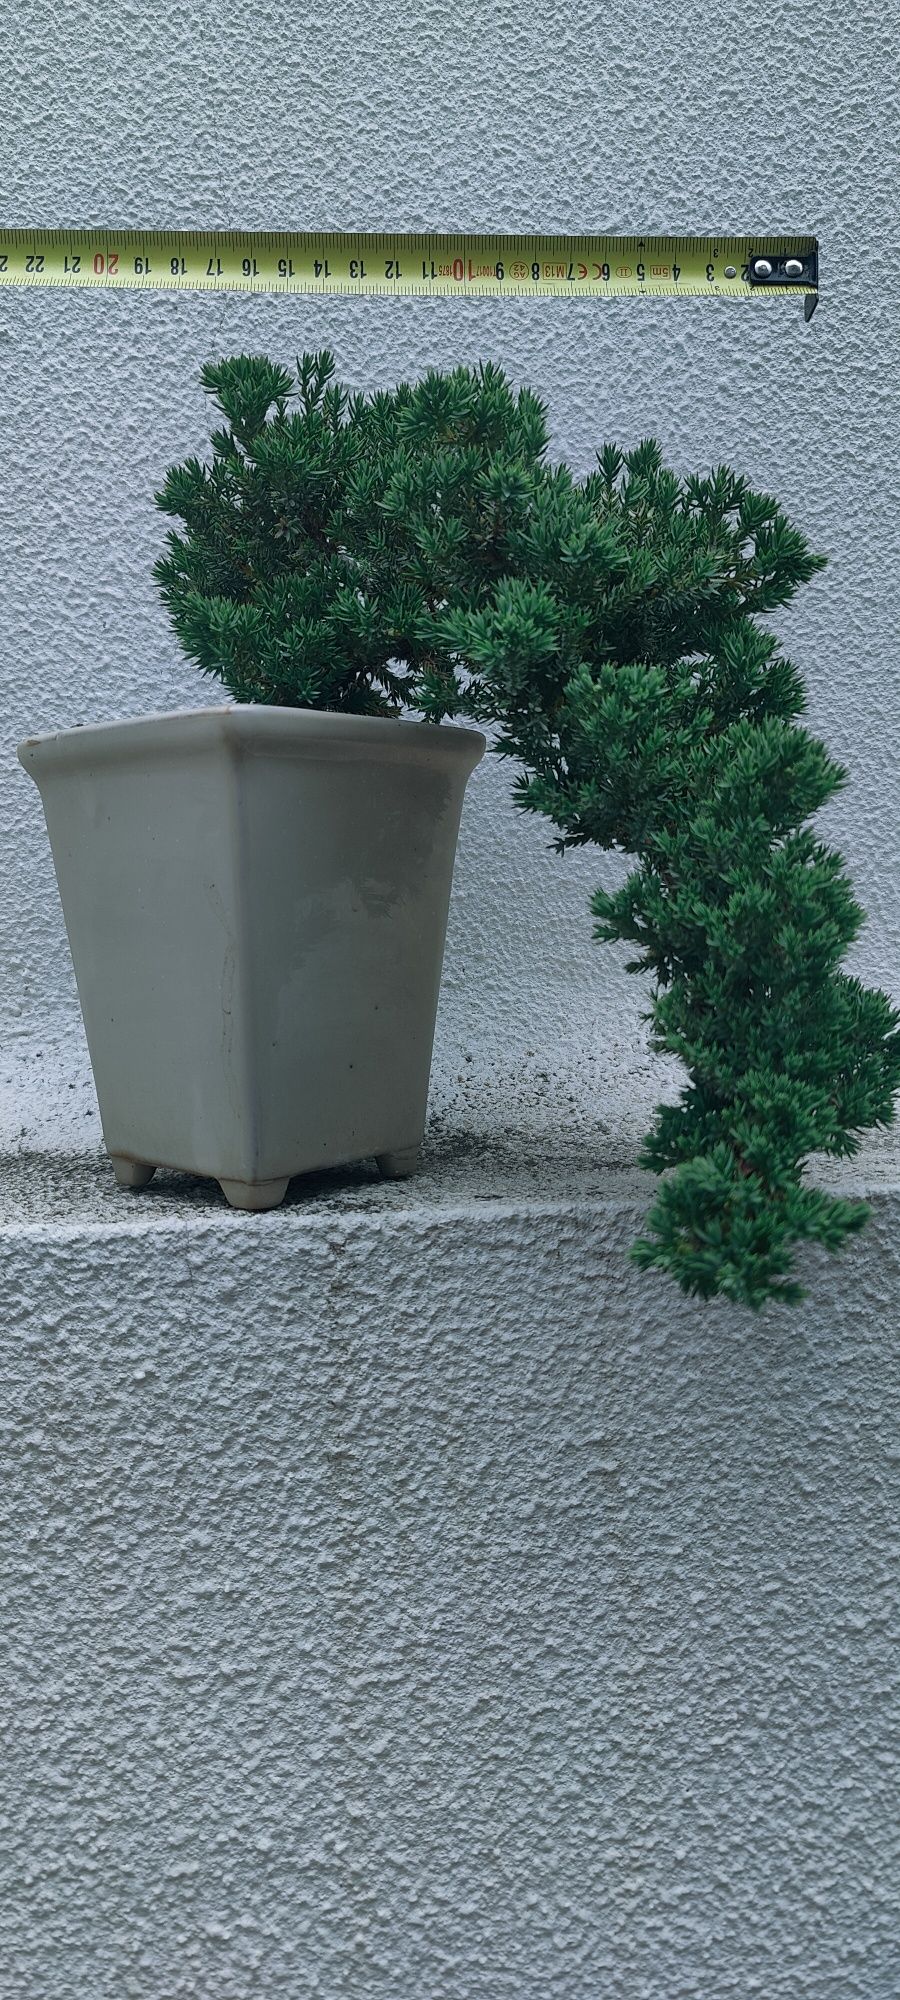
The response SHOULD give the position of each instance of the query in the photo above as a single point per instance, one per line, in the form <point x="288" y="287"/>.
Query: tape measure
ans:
<point x="446" y="266"/>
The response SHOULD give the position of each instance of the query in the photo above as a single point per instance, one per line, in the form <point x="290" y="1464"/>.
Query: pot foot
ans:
<point x="254" y="1195"/>
<point x="398" y="1166"/>
<point x="131" y="1173"/>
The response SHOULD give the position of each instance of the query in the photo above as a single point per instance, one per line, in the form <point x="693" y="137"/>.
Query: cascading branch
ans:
<point x="653" y="714"/>
<point x="415" y="547"/>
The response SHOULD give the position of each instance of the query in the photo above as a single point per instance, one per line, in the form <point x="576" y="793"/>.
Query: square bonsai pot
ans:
<point x="256" y="903"/>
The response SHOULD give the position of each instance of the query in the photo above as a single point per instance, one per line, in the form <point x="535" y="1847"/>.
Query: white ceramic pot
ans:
<point x="256" y="901"/>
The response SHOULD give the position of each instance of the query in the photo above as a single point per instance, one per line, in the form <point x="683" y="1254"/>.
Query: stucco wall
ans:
<point x="438" y="1611"/>
<point x="400" y="1605"/>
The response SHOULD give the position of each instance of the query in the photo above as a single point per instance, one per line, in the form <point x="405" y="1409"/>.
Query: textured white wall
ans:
<point x="537" y="1621"/>
<point x="400" y="1607"/>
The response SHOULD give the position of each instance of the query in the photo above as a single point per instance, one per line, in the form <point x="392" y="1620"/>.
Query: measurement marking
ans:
<point x="414" y="266"/>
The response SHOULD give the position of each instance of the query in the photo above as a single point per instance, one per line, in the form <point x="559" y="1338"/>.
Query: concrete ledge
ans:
<point x="406" y="1599"/>
<point x="461" y="1172"/>
<point x="511" y="1128"/>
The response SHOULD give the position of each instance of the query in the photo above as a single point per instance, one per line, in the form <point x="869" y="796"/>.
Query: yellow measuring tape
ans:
<point x="446" y="266"/>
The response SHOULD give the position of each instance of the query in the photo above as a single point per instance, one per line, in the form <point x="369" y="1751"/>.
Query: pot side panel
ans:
<point x="257" y="941"/>
<point x="346" y="872"/>
<point x="144" y="857"/>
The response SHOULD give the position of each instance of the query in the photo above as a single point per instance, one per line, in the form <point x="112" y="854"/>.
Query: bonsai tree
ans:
<point x="416" y="548"/>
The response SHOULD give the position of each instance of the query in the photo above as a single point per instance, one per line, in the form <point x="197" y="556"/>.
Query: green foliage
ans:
<point x="416" y="548"/>
<point x="298" y="581"/>
<point x="621" y="656"/>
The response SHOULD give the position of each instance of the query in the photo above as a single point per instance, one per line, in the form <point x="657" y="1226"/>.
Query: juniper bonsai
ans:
<point x="417" y="548"/>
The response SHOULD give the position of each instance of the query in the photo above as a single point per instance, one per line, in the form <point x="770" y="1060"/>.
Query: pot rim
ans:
<point x="253" y="726"/>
